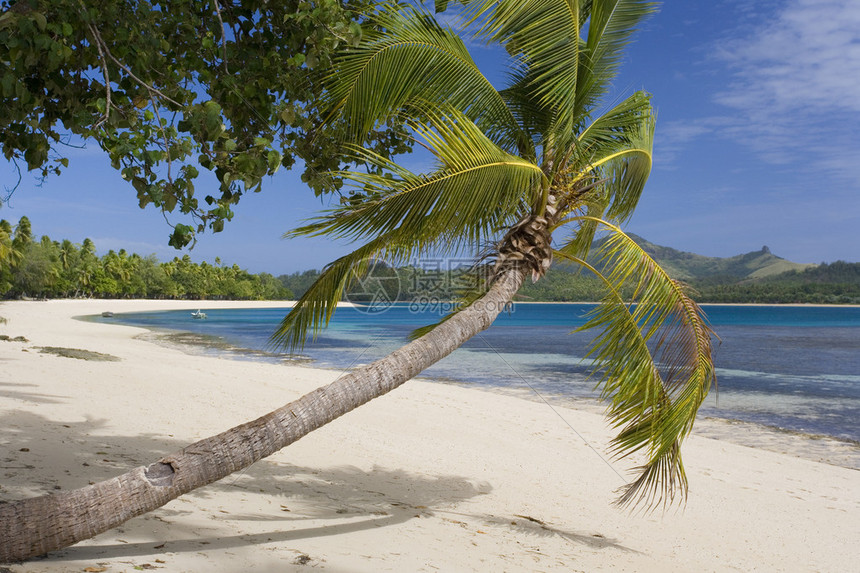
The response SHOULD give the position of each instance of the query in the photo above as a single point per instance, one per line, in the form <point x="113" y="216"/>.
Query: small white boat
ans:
<point x="198" y="314"/>
<point x="107" y="314"/>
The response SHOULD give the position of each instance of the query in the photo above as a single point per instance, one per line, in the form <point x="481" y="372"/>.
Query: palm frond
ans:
<point x="440" y="5"/>
<point x="546" y="36"/>
<point x="654" y="359"/>
<point x="410" y="54"/>
<point x="622" y="155"/>
<point x="610" y="26"/>
<point x="613" y="127"/>
<point x="313" y="311"/>
<point x="614" y="150"/>
<point x="629" y="169"/>
<point x="476" y="189"/>
<point x="590" y="210"/>
<point x="533" y="118"/>
<point x="5" y="245"/>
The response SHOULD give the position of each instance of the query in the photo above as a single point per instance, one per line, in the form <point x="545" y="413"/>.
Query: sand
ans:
<point x="431" y="477"/>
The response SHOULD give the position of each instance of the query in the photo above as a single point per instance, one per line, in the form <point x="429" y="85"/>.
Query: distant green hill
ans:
<point x="692" y="267"/>
<point x="834" y="283"/>
<point x="756" y="277"/>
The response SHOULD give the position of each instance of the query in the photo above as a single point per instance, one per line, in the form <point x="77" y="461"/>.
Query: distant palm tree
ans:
<point x="117" y="266"/>
<point x="5" y="243"/>
<point x="23" y="233"/>
<point x="16" y="242"/>
<point x="67" y="252"/>
<point x="513" y="167"/>
<point x="88" y="248"/>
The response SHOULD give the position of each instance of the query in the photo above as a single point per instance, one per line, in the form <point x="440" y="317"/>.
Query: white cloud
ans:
<point x="675" y="136"/>
<point x="807" y="59"/>
<point x="795" y="85"/>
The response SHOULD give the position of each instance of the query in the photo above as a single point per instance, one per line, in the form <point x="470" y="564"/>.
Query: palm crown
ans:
<point x="513" y="167"/>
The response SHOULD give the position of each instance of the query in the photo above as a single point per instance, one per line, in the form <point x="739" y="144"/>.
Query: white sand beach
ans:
<point x="431" y="477"/>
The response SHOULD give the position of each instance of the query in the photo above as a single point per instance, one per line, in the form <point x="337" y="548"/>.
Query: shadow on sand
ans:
<point x="307" y="502"/>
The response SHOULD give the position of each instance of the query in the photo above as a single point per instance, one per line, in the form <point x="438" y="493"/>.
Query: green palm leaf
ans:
<point x="623" y="157"/>
<point x="614" y="126"/>
<point x="410" y="55"/>
<point x="569" y="68"/>
<point x="545" y="34"/>
<point x="610" y="26"/>
<point x="475" y="190"/>
<point x="612" y="159"/>
<point x="5" y="245"/>
<point x="654" y="359"/>
<point x="534" y="119"/>
<point x="313" y="311"/>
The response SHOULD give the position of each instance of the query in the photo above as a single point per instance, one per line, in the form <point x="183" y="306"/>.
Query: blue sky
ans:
<point x="758" y="143"/>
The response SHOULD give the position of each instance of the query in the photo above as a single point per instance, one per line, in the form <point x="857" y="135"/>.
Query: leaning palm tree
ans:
<point x="532" y="171"/>
<point x="514" y="169"/>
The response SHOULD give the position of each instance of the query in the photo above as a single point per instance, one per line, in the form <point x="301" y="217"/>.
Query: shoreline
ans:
<point x="207" y="303"/>
<point x="833" y="450"/>
<point x="430" y="476"/>
<point x="818" y="447"/>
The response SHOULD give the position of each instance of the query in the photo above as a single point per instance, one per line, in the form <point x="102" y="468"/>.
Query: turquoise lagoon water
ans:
<point x="796" y="368"/>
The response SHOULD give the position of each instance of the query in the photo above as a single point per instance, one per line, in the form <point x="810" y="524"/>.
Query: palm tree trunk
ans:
<point x="35" y="526"/>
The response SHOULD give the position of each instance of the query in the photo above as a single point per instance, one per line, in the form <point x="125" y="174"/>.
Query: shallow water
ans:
<point x="796" y="368"/>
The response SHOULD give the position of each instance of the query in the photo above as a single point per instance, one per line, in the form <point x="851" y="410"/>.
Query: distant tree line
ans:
<point x="834" y="283"/>
<point x="430" y="282"/>
<point x="52" y="269"/>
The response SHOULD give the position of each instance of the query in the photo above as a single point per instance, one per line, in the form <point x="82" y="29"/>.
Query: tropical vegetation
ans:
<point x="833" y="283"/>
<point x="53" y="269"/>
<point x="521" y="177"/>
<point x="170" y="89"/>
<point x="61" y="269"/>
<point x="714" y="281"/>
